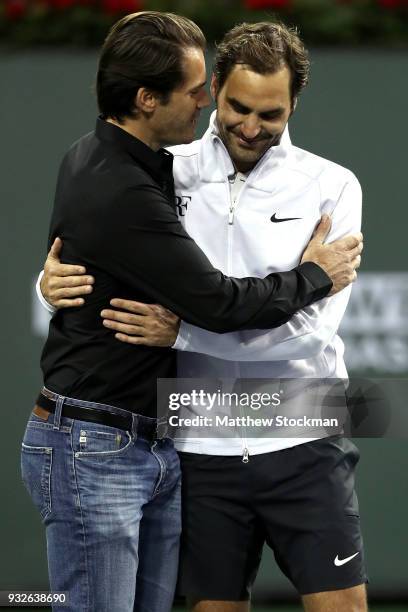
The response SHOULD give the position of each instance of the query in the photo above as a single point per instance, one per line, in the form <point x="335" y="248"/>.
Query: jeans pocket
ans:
<point x="36" y="466"/>
<point x="101" y="443"/>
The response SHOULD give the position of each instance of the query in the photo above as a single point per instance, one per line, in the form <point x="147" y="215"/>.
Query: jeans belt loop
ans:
<point x="58" y="411"/>
<point x="134" y="426"/>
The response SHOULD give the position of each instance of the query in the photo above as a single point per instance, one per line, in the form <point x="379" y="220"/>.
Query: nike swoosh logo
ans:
<point x="275" y="220"/>
<point x="339" y="562"/>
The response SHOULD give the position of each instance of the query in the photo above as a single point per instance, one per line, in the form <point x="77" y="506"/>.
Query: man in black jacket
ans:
<point x="106" y="484"/>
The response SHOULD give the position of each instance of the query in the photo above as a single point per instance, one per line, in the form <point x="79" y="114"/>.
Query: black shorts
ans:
<point x="300" y="501"/>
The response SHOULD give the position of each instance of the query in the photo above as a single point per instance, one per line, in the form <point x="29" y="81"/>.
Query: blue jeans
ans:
<point x="110" y="502"/>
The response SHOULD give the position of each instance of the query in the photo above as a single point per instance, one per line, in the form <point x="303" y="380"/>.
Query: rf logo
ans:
<point x="182" y="202"/>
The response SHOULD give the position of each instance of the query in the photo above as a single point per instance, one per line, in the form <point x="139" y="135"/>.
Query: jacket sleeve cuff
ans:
<point x="40" y="296"/>
<point x="318" y="278"/>
<point x="183" y="337"/>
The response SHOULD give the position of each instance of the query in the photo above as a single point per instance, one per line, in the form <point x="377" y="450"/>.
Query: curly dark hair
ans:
<point x="265" y="47"/>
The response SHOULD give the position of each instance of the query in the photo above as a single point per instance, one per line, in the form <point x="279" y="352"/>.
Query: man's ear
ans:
<point x="145" y="100"/>
<point x="294" y="105"/>
<point x="214" y="87"/>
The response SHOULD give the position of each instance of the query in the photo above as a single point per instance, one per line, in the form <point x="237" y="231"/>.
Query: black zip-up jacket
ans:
<point x="114" y="210"/>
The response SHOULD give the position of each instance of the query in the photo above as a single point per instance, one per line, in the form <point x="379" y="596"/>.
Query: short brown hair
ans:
<point x="143" y="50"/>
<point x="265" y="47"/>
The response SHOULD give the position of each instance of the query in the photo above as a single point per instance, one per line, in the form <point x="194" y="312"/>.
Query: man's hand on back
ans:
<point x="339" y="259"/>
<point x="136" y="323"/>
<point x="148" y="324"/>
<point x="62" y="284"/>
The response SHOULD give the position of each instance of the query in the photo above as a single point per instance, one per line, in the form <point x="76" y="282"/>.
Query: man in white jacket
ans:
<point x="249" y="197"/>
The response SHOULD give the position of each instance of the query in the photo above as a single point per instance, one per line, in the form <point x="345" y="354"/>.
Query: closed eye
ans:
<point x="269" y="115"/>
<point x="239" y="108"/>
<point x="276" y="114"/>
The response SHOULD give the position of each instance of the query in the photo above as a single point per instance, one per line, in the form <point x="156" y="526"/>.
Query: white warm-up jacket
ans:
<point x="240" y="239"/>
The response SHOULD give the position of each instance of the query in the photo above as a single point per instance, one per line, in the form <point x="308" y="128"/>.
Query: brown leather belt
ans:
<point x="41" y="413"/>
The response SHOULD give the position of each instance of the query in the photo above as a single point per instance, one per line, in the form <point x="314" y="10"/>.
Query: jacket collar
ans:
<point x="215" y="164"/>
<point x="158" y="164"/>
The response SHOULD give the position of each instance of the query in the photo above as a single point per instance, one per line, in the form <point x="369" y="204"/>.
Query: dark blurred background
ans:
<point x="353" y="112"/>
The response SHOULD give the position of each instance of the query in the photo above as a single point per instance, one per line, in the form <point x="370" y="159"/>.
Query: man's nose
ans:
<point x="250" y="128"/>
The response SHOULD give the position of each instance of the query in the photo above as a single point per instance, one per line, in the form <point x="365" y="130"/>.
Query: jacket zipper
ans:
<point x="234" y="201"/>
<point x="233" y="204"/>
<point x="245" y="451"/>
<point x="231" y="212"/>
